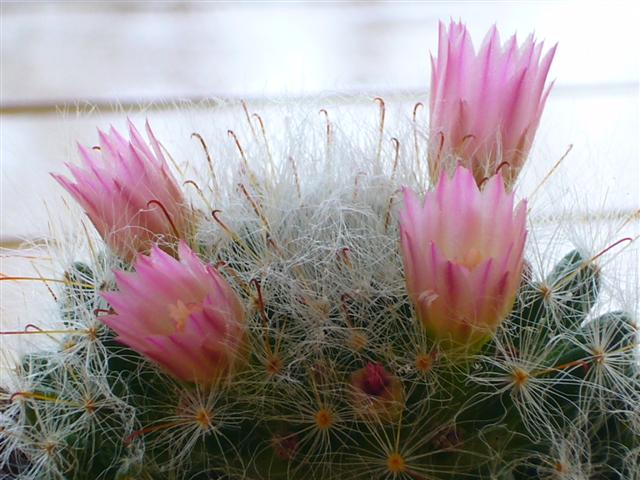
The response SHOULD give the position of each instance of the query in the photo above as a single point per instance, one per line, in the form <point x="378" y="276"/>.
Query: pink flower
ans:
<point x="179" y="313"/>
<point x="463" y="255"/>
<point x="128" y="192"/>
<point x="485" y="107"/>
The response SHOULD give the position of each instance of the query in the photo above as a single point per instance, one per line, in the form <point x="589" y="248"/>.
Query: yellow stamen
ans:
<point x="472" y="258"/>
<point x="180" y="312"/>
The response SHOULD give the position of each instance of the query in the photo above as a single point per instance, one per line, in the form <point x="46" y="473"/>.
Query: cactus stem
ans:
<point x="285" y="446"/>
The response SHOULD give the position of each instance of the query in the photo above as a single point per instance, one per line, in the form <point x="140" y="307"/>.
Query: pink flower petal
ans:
<point x="118" y="185"/>
<point x="462" y="264"/>
<point x="485" y="107"/>
<point x="180" y="314"/>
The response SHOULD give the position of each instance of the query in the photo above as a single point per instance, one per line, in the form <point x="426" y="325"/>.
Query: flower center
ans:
<point x="471" y="258"/>
<point x="180" y="312"/>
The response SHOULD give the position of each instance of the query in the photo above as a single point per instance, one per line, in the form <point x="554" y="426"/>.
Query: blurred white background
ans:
<point x="58" y="55"/>
<point x="106" y="57"/>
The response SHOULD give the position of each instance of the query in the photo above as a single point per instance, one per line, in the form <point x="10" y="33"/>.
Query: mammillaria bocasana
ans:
<point x="288" y="339"/>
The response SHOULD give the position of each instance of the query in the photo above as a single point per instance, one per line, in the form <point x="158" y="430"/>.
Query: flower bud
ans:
<point x="485" y="107"/>
<point x="463" y="254"/>
<point x="128" y="192"/>
<point x="179" y="313"/>
<point x="376" y="395"/>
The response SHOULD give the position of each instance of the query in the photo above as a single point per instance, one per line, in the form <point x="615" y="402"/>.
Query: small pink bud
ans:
<point x="448" y="439"/>
<point x="485" y="107"/>
<point x="285" y="447"/>
<point x="463" y="255"/>
<point x="128" y="192"/>
<point x="179" y="313"/>
<point x="376" y="394"/>
<point x="375" y="380"/>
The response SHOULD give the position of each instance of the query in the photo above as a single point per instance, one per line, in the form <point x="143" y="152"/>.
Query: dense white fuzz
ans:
<point x="297" y="207"/>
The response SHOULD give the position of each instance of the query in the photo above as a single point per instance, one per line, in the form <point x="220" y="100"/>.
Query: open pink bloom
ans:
<point x="485" y="107"/>
<point x="179" y="313"/>
<point x="128" y="192"/>
<point x="463" y="255"/>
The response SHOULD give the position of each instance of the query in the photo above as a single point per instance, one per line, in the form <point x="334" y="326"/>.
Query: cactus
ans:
<point x="340" y="378"/>
<point x="341" y="381"/>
